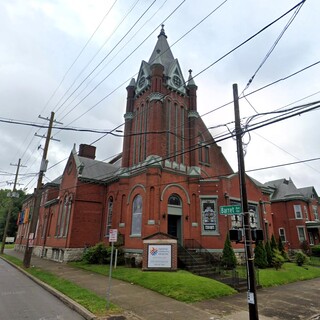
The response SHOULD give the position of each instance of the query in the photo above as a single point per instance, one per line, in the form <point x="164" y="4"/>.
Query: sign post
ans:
<point x="230" y="210"/>
<point x="113" y="237"/>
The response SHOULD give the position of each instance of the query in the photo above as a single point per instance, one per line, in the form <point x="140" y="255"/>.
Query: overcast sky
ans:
<point x="77" y="57"/>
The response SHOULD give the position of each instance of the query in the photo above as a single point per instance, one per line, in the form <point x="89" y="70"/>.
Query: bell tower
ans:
<point x="161" y="113"/>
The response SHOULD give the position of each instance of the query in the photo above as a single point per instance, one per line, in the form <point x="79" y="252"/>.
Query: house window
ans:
<point x="67" y="219"/>
<point x="64" y="217"/>
<point x="301" y="234"/>
<point x="311" y="239"/>
<point x="109" y="216"/>
<point x="306" y="212"/>
<point x="297" y="211"/>
<point x="282" y="234"/>
<point x="136" y="216"/>
<point x="209" y="217"/>
<point x="315" y="212"/>
<point x="204" y="153"/>
<point x="174" y="200"/>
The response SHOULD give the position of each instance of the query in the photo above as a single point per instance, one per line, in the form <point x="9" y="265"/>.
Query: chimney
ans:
<point x="87" y="151"/>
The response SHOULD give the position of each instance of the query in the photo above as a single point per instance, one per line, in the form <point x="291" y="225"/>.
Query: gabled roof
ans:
<point x="284" y="190"/>
<point x="93" y="170"/>
<point x="309" y="192"/>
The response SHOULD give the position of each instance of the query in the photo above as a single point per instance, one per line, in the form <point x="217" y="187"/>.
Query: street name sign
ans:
<point x="230" y="210"/>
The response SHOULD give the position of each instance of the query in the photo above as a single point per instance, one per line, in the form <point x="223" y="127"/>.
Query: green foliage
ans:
<point x="5" y="203"/>
<point x="84" y="297"/>
<point x="269" y="253"/>
<point x="301" y="258"/>
<point x="228" y="259"/>
<point x="101" y="254"/>
<point x="315" y="250"/>
<point x="280" y="245"/>
<point x="273" y="243"/>
<point x="98" y="254"/>
<point x="277" y="259"/>
<point x="282" y="249"/>
<point x="181" y="285"/>
<point x="260" y="255"/>
<point x="305" y="247"/>
<point x="289" y="272"/>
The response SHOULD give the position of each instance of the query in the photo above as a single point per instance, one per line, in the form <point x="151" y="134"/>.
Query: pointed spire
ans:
<point x="191" y="82"/>
<point x="157" y="59"/>
<point x="165" y="52"/>
<point x="132" y="83"/>
<point x="162" y="33"/>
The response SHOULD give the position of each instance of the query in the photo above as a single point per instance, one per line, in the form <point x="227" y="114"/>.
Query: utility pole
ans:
<point x="12" y="195"/>
<point x="37" y="194"/>
<point x="251" y="280"/>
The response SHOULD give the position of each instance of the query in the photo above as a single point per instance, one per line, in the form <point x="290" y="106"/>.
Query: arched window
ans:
<point x="174" y="200"/>
<point x="136" y="216"/>
<point x="64" y="217"/>
<point x="109" y="216"/>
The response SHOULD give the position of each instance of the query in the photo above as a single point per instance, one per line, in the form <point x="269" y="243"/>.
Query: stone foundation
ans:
<point x="55" y="254"/>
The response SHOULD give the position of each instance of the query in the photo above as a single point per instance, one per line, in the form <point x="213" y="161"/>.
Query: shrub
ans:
<point x="282" y="250"/>
<point x="277" y="259"/>
<point x="98" y="254"/>
<point x="269" y="253"/>
<point x="301" y="258"/>
<point x="305" y="247"/>
<point x="273" y="243"/>
<point x="315" y="250"/>
<point x="260" y="255"/>
<point x="228" y="259"/>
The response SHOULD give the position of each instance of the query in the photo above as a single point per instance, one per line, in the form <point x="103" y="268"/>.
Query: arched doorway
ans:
<point x="175" y="217"/>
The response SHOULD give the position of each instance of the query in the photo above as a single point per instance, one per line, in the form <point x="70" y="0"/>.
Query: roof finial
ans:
<point x="162" y="33"/>
<point x="190" y="80"/>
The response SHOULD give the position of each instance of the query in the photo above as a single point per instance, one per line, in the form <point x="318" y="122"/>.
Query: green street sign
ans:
<point x="230" y="210"/>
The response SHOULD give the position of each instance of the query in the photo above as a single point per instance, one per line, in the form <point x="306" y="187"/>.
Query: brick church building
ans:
<point x="171" y="177"/>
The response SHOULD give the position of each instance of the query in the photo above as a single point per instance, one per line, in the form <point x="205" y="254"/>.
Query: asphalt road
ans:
<point x="21" y="298"/>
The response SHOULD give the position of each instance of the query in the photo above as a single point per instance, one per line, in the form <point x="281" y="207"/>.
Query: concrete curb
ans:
<point x="62" y="297"/>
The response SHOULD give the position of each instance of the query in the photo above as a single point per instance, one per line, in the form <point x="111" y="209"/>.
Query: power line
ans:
<point x="274" y="46"/>
<point x="244" y="42"/>
<point x="118" y="43"/>
<point x="115" y="55"/>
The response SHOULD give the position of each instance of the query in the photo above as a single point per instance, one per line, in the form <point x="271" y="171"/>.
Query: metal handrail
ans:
<point x="195" y="245"/>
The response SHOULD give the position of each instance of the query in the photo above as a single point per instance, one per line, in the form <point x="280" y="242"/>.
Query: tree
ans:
<point x="282" y="249"/>
<point x="269" y="253"/>
<point x="260" y="255"/>
<point x="16" y="208"/>
<point x="277" y="259"/>
<point x="273" y="243"/>
<point x="228" y="259"/>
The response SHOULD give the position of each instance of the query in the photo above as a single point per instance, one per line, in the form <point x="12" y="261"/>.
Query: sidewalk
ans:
<point x="139" y="303"/>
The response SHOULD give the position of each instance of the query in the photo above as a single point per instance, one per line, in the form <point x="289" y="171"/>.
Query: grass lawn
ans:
<point x="186" y="287"/>
<point x="289" y="272"/>
<point x="314" y="261"/>
<point x="84" y="297"/>
<point x="181" y="285"/>
<point x="8" y="245"/>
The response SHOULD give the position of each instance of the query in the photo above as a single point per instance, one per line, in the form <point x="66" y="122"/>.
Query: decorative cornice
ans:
<point x="193" y="114"/>
<point x="128" y="116"/>
<point x="156" y="96"/>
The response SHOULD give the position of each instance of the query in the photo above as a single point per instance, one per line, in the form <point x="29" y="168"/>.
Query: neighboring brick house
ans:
<point x="313" y="222"/>
<point x="24" y="218"/>
<point x="295" y="213"/>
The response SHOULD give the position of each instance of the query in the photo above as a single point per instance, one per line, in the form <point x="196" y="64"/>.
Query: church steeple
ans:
<point x="162" y="48"/>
